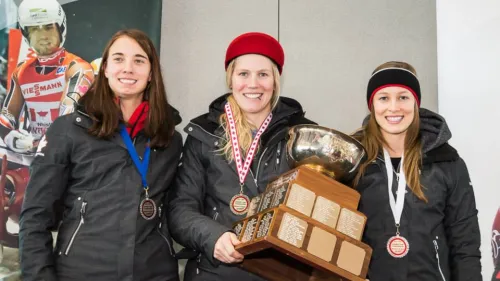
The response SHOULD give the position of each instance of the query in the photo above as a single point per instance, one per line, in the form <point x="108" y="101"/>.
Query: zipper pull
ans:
<point x="198" y="259"/>
<point x="435" y="245"/>
<point x="82" y="212"/>
<point x="83" y="208"/>
<point x="278" y="153"/>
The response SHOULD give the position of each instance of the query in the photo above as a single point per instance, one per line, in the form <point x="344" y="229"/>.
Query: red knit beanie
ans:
<point x="256" y="43"/>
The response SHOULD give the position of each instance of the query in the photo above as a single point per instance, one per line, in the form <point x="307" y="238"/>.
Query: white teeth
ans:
<point x="253" y="96"/>
<point x="127" y="81"/>
<point x="394" y="118"/>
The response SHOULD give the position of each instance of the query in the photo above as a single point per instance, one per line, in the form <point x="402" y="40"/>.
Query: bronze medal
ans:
<point x="239" y="204"/>
<point x="147" y="208"/>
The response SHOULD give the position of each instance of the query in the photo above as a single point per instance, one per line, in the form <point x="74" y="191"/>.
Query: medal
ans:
<point x="397" y="246"/>
<point x="240" y="202"/>
<point x="147" y="207"/>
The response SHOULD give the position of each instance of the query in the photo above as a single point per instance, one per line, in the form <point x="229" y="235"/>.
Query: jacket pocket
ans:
<point x="81" y="222"/>
<point x="438" y="261"/>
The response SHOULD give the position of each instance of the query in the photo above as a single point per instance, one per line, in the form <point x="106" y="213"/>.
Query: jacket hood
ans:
<point x="434" y="130"/>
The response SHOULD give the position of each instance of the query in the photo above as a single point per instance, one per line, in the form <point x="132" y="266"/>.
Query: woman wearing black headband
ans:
<point x="415" y="189"/>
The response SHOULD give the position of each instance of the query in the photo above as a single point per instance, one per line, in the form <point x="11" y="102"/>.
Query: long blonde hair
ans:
<point x="372" y="139"/>
<point x="243" y="127"/>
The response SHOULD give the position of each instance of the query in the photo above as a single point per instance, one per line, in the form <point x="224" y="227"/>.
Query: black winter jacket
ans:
<point x="199" y="210"/>
<point x="102" y="235"/>
<point x="443" y="234"/>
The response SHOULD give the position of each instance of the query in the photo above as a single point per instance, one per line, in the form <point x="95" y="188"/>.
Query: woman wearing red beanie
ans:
<point x="415" y="189"/>
<point x="230" y="155"/>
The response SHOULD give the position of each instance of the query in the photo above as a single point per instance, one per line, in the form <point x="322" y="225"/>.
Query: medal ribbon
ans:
<point x="397" y="205"/>
<point x="240" y="167"/>
<point x="142" y="167"/>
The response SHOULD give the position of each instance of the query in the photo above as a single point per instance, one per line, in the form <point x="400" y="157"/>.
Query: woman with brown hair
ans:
<point x="230" y="155"/>
<point x="415" y="189"/>
<point x="108" y="166"/>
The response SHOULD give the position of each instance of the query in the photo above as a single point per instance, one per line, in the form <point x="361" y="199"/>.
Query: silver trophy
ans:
<point x="325" y="150"/>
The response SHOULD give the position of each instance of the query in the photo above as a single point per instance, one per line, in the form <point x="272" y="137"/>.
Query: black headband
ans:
<point x="393" y="76"/>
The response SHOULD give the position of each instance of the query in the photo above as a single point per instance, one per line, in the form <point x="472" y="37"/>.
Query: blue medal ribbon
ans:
<point x="142" y="167"/>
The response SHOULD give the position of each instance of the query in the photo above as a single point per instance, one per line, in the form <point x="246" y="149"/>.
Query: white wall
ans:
<point x="469" y="99"/>
<point x="331" y="48"/>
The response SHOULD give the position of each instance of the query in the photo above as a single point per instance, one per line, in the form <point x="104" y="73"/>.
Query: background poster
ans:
<point x="89" y="24"/>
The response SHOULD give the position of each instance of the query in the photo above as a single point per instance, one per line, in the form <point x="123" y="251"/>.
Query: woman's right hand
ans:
<point x="224" y="249"/>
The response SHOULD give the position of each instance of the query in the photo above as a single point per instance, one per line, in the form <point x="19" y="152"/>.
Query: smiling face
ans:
<point x="394" y="109"/>
<point x="127" y="68"/>
<point x="252" y="82"/>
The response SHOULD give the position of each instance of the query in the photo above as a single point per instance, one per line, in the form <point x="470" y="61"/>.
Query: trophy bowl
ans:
<point x="325" y="150"/>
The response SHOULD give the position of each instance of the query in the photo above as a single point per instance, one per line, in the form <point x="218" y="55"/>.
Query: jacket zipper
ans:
<point x="168" y="243"/>
<point x="161" y="234"/>
<point x="82" y="221"/>
<point x="83" y="113"/>
<point x="437" y="257"/>
<point x="278" y="154"/>
<point x="258" y="167"/>
<point x="198" y="260"/>
<point x="216" y="215"/>
<point x="201" y="128"/>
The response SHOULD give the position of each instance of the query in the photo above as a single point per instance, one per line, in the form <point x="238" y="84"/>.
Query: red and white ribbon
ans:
<point x="243" y="168"/>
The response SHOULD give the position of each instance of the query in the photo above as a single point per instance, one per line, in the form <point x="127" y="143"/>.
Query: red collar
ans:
<point x="136" y="122"/>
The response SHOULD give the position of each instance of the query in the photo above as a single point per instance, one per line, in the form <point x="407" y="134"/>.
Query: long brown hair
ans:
<point x="99" y="102"/>
<point x="372" y="139"/>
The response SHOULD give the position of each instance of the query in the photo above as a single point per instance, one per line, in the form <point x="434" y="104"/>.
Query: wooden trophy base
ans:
<point x="304" y="227"/>
<point x="275" y="265"/>
<point x="283" y="244"/>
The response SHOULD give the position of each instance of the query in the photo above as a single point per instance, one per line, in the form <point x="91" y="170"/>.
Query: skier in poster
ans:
<point x="42" y="88"/>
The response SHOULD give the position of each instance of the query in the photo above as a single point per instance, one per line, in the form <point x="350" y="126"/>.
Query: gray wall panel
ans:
<point x="332" y="46"/>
